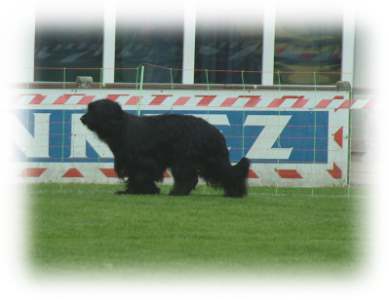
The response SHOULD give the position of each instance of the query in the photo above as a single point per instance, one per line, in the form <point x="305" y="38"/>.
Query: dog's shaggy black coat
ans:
<point x="144" y="147"/>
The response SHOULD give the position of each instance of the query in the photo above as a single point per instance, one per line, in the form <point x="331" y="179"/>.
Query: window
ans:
<point x="64" y="51"/>
<point x="308" y="53"/>
<point x="156" y="46"/>
<point x="223" y="51"/>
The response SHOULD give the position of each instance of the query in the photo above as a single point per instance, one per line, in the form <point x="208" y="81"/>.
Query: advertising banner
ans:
<point x="293" y="138"/>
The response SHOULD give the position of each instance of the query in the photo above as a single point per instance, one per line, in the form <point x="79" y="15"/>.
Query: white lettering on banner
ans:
<point x="272" y="128"/>
<point x="36" y="145"/>
<point x="80" y="136"/>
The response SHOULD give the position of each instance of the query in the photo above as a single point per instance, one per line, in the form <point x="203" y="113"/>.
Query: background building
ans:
<point x="262" y="47"/>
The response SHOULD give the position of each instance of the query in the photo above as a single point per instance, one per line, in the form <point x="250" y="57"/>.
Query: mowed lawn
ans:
<point x="85" y="226"/>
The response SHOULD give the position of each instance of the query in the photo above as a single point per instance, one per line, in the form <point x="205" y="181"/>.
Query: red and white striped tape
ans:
<point x="335" y="172"/>
<point x="199" y="101"/>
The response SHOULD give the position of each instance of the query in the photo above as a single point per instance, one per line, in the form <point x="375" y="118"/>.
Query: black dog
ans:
<point x="143" y="147"/>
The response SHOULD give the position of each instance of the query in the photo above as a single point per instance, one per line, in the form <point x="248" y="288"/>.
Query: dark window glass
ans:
<point x="64" y="51"/>
<point x="308" y="53"/>
<point x="156" y="46"/>
<point x="223" y="51"/>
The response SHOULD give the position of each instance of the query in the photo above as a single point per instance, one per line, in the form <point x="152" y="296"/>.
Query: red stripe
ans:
<point x="323" y="103"/>
<point x="335" y="172"/>
<point x="62" y="99"/>
<point x="229" y="101"/>
<point x="290" y="174"/>
<point x="206" y="100"/>
<point x="159" y="99"/>
<point x="133" y="100"/>
<point x="182" y="100"/>
<point x="33" y="172"/>
<point x="108" y="172"/>
<point x="73" y="172"/>
<point x="252" y="174"/>
<point x="276" y="103"/>
<point x="253" y="101"/>
<point x="300" y="102"/>
<point x="38" y="98"/>
<point x="114" y="97"/>
<point x="86" y="100"/>
<point x="338" y="137"/>
<point x="346" y="104"/>
<point x="65" y="98"/>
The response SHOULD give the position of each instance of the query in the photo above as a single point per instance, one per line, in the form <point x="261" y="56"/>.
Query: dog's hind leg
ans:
<point x="233" y="179"/>
<point x="185" y="179"/>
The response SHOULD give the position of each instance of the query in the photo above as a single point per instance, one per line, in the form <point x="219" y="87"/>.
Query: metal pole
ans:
<point x="242" y="78"/>
<point x="349" y="141"/>
<point x="142" y="73"/>
<point x="136" y="77"/>
<point x="171" y="78"/>
<point x="64" y="78"/>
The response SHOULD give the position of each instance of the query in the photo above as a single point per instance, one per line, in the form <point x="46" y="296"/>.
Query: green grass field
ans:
<point x="84" y="226"/>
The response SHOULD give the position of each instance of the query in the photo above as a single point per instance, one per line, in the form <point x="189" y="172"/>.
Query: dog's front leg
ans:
<point x="130" y="189"/>
<point x="120" y="168"/>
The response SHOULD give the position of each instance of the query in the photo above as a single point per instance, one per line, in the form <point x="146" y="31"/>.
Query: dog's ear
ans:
<point x="116" y="111"/>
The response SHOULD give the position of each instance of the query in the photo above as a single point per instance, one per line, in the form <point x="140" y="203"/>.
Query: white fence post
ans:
<point x="268" y="46"/>
<point x="188" y="58"/>
<point x="108" y="74"/>
<point x="348" y="44"/>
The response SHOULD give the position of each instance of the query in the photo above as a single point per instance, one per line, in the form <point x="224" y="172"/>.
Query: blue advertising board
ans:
<point x="265" y="136"/>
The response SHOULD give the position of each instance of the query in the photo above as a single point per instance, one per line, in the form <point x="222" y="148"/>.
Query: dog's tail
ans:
<point x="235" y="183"/>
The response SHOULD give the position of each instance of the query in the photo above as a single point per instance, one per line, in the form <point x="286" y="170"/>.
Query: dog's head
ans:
<point x="102" y="116"/>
